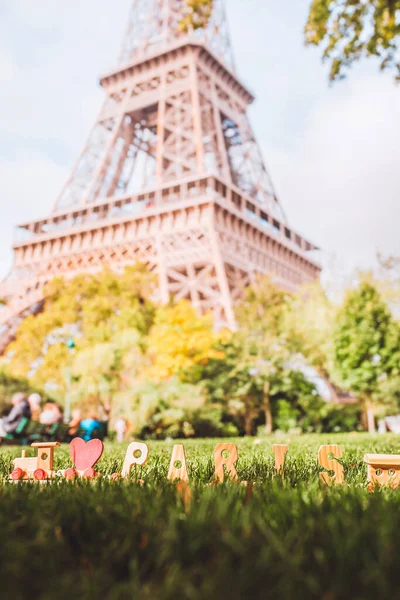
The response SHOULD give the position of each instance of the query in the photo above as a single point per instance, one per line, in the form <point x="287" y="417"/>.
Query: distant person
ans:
<point x="120" y="427"/>
<point x="20" y="410"/>
<point x="51" y="414"/>
<point x="74" y="422"/>
<point x="89" y="426"/>
<point x="34" y="402"/>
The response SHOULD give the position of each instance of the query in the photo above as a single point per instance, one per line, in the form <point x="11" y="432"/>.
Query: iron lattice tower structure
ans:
<point x="171" y="175"/>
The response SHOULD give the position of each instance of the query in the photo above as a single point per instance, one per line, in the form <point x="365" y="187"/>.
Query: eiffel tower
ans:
<point x="170" y="175"/>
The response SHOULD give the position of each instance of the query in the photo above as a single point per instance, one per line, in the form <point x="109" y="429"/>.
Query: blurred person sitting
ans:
<point x="89" y="426"/>
<point x="74" y="422"/>
<point x="35" y="401"/>
<point x="120" y="427"/>
<point x="51" y="414"/>
<point x="20" y="410"/>
<point x="6" y="411"/>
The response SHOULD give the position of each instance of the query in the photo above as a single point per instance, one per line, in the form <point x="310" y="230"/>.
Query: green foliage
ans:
<point x="350" y="30"/>
<point x="286" y="415"/>
<point x="173" y="409"/>
<point x="196" y="15"/>
<point x="102" y="371"/>
<point x="212" y="421"/>
<point x="387" y="395"/>
<point x="167" y="370"/>
<point x="120" y="540"/>
<point x="239" y="380"/>
<point x="340" y="418"/>
<point x="10" y="385"/>
<point x="308" y="326"/>
<point x="96" y="311"/>
<point x="366" y="341"/>
<point x="165" y="409"/>
<point x="290" y="388"/>
<point x="263" y="309"/>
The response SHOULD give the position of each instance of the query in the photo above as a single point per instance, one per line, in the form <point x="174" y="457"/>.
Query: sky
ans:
<point x="331" y="150"/>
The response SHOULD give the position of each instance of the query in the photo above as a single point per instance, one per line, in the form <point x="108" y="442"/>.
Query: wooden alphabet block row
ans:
<point x="383" y="469"/>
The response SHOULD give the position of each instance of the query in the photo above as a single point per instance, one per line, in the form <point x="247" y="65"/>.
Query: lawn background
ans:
<point x="120" y="540"/>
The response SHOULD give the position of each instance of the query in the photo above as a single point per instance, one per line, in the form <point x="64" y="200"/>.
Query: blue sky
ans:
<point x="332" y="151"/>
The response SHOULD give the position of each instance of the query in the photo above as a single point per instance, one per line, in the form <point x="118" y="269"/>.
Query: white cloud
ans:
<point x="29" y="185"/>
<point x="7" y="69"/>
<point x="340" y="182"/>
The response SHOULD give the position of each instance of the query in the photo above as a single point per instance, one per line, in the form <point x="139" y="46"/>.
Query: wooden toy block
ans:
<point x="177" y="467"/>
<point x="136" y="454"/>
<point x="45" y="454"/>
<point x="280" y="451"/>
<point x="85" y="455"/>
<point x="38" y="467"/>
<point x="225" y="455"/>
<point x="383" y="469"/>
<point x="249" y="492"/>
<point x="330" y="464"/>
<point x="184" y="491"/>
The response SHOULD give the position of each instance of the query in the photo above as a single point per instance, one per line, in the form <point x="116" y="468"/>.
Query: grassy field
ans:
<point x="120" y="540"/>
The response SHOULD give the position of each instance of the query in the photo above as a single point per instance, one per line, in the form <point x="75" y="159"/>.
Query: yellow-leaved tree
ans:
<point x="179" y="339"/>
<point x="98" y="311"/>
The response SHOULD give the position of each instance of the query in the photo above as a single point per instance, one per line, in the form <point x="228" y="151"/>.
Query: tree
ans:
<point x="10" y="385"/>
<point x="93" y="309"/>
<point x="387" y="395"/>
<point x="247" y="384"/>
<point x="308" y="326"/>
<point x="196" y="15"/>
<point x="389" y="281"/>
<point x="262" y="309"/>
<point x="102" y="372"/>
<point x="261" y="317"/>
<point x="165" y="408"/>
<point x="255" y="374"/>
<point x="350" y="30"/>
<point x="366" y="344"/>
<point x="178" y="339"/>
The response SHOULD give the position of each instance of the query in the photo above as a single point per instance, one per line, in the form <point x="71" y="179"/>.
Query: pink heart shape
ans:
<point x="85" y="454"/>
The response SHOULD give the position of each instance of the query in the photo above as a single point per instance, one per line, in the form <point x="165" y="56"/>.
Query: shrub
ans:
<point x="9" y="385"/>
<point x="342" y="418"/>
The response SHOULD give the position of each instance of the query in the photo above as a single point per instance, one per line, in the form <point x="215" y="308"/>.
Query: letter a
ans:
<point x="177" y="467"/>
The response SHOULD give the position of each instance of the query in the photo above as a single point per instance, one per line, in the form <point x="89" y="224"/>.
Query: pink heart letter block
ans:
<point x="85" y="454"/>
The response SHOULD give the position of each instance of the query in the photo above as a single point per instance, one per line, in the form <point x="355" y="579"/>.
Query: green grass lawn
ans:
<point x="120" y="540"/>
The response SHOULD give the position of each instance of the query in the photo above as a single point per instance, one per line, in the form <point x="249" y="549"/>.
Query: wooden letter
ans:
<point x="142" y="453"/>
<point x="331" y="464"/>
<point x="229" y="461"/>
<point x="175" y="471"/>
<point x="280" y="451"/>
<point x="184" y="491"/>
<point x="383" y="469"/>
